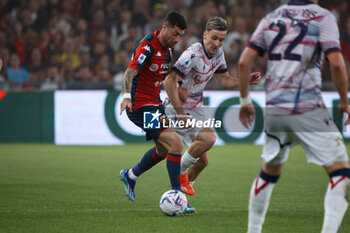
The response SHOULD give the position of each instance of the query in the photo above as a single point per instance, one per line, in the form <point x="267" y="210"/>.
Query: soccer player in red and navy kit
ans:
<point x="141" y="88"/>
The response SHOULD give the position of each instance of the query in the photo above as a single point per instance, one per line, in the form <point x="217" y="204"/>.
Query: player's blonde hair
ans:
<point x="216" y="23"/>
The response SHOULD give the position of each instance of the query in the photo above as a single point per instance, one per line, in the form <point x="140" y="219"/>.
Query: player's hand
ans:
<point x="255" y="78"/>
<point x="183" y="94"/>
<point x="247" y="115"/>
<point x="125" y="104"/>
<point x="344" y="108"/>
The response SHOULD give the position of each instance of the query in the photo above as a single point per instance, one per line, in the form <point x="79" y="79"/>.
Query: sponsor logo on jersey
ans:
<point x="164" y="66"/>
<point x="158" y="83"/>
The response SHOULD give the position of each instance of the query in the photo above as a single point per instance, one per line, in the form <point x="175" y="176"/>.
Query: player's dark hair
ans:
<point x="216" y="23"/>
<point x="176" y="19"/>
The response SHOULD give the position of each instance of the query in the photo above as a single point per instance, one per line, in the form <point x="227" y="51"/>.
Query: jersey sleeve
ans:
<point x="141" y="55"/>
<point x="185" y="63"/>
<point x="223" y="66"/>
<point x="329" y="35"/>
<point x="257" y="41"/>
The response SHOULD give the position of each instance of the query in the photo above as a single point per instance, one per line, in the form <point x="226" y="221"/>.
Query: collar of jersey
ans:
<point x="300" y="2"/>
<point x="204" y="50"/>
<point x="155" y="34"/>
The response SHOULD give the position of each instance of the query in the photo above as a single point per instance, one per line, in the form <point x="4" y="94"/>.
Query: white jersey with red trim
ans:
<point x="196" y="69"/>
<point x="296" y="37"/>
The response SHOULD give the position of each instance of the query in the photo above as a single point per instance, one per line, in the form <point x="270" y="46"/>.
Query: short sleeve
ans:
<point x="329" y="34"/>
<point x="223" y="66"/>
<point x="185" y="63"/>
<point x="141" y="55"/>
<point x="257" y="41"/>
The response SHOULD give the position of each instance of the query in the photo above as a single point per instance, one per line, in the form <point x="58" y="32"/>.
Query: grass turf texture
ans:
<point x="47" y="188"/>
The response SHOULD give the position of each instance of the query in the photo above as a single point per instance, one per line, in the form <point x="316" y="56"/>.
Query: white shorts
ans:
<point x="315" y="131"/>
<point x="188" y="135"/>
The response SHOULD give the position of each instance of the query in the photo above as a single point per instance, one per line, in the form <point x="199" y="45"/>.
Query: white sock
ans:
<point x="192" y="183"/>
<point x="187" y="161"/>
<point x="259" y="200"/>
<point x="335" y="203"/>
<point x="132" y="175"/>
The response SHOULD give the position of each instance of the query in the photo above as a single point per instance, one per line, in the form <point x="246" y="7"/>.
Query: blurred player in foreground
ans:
<point x="142" y="82"/>
<point x="194" y="69"/>
<point x="297" y="36"/>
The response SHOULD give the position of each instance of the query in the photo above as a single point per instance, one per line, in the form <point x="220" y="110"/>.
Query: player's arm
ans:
<point x="229" y="82"/>
<point x="247" y="111"/>
<point x="127" y="81"/>
<point x="226" y="81"/>
<point x="0" y="63"/>
<point x="171" y="87"/>
<point x="340" y="80"/>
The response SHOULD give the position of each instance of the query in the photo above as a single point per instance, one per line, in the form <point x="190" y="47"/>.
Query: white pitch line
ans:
<point x="129" y="209"/>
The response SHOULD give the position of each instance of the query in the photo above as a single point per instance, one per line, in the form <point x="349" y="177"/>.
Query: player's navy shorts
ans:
<point x="137" y="117"/>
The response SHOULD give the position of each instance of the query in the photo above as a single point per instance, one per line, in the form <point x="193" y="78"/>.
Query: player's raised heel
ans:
<point x="129" y="184"/>
<point x="185" y="185"/>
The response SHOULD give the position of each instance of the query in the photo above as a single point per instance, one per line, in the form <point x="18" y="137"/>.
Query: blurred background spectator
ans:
<point x="87" y="44"/>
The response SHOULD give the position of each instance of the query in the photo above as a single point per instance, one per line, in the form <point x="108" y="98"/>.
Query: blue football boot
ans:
<point x="190" y="209"/>
<point x="129" y="184"/>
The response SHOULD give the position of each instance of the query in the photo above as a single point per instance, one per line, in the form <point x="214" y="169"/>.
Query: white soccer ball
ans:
<point x="173" y="203"/>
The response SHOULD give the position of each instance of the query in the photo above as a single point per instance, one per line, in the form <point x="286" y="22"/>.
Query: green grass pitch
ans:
<point x="47" y="188"/>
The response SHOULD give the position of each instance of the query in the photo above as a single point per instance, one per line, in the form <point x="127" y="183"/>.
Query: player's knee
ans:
<point x="209" y="140"/>
<point x="176" y="145"/>
<point x="336" y="166"/>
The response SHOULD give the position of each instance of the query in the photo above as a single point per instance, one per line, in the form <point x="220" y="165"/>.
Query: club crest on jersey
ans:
<point x="153" y="67"/>
<point x="141" y="58"/>
<point x="158" y="54"/>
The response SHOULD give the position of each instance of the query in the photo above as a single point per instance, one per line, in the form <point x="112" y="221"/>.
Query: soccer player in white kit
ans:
<point x="194" y="68"/>
<point x="297" y="36"/>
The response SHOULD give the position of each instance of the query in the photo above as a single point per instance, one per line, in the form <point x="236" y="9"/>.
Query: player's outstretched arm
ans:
<point x="340" y="80"/>
<point x="229" y="82"/>
<point x="127" y="81"/>
<point x="247" y="111"/>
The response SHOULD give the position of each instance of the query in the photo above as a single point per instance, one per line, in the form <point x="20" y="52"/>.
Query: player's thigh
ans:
<point x="323" y="148"/>
<point x="320" y="138"/>
<point x="278" y="141"/>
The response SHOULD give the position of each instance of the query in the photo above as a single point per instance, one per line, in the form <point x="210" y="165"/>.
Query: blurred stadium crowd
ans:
<point x="87" y="44"/>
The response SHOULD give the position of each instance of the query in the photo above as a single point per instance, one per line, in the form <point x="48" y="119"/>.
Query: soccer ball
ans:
<point x="173" y="203"/>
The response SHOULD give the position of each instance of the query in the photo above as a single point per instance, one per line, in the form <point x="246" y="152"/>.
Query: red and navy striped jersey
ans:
<point x="152" y="61"/>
